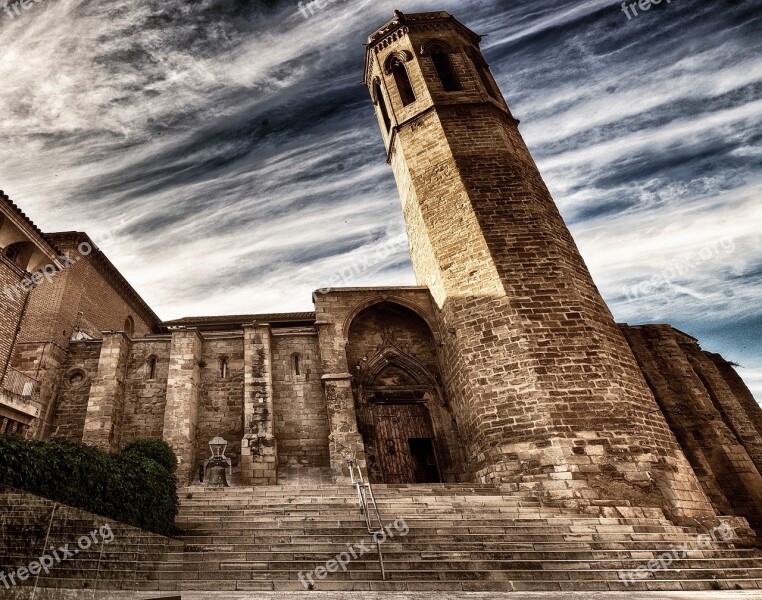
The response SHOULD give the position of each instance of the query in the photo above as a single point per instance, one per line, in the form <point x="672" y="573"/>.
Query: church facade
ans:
<point x="504" y="365"/>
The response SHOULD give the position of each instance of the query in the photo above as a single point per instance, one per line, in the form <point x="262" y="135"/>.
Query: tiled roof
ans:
<point x="22" y="214"/>
<point x="230" y="319"/>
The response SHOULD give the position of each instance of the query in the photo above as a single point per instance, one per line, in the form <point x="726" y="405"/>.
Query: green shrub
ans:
<point x="157" y="450"/>
<point x="127" y="487"/>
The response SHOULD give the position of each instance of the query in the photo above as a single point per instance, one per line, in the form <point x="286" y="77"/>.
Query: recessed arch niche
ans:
<point x="402" y="412"/>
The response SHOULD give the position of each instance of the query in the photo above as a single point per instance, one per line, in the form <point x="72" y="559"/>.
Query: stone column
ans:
<point x="105" y="405"/>
<point x="344" y="440"/>
<point x="181" y="412"/>
<point x="259" y="462"/>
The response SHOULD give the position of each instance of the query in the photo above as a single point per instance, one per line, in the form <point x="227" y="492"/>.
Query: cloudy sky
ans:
<point x="225" y="157"/>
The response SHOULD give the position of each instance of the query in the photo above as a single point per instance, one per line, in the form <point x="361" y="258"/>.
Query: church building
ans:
<point x="504" y="365"/>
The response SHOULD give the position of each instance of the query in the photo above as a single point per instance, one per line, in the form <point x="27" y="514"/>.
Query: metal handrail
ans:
<point x="368" y="507"/>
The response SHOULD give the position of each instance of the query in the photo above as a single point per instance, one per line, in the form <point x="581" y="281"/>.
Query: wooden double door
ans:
<point x="405" y="443"/>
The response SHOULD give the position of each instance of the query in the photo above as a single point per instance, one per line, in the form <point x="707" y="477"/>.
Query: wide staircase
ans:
<point x="442" y="537"/>
<point x="459" y="537"/>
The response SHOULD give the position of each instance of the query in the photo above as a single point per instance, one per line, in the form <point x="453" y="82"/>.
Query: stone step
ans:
<point x="373" y="573"/>
<point x="410" y="586"/>
<point x="357" y="570"/>
<point x="424" y="518"/>
<point x="495" y="565"/>
<point x="222" y="554"/>
<point x="455" y="540"/>
<point x="471" y="555"/>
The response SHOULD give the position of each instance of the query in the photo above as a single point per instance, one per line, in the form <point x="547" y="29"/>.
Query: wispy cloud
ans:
<point x="229" y="152"/>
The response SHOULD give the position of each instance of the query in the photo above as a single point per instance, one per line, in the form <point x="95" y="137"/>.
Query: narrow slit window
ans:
<point x="223" y="368"/>
<point x="296" y="361"/>
<point x="382" y="107"/>
<point x="445" y="71"/>
<point x="152" y="367"/>
<point x="402" y="79"/>
<point x="487" y="81"/>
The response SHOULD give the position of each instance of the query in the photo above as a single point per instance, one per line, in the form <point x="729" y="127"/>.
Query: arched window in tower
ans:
<point x="483" y="72"/>
<point x="224" y="368"/>
<point x="296" y="364"/>
<point x="402" y="79"/>
<point x="379" y="97"/>
<point x="152" y="362"/>
<point x="129" y="326"/>
<point x="445" y="71"/>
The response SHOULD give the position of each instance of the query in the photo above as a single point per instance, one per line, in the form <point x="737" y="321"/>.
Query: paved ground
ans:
<point x="105" y="595"/>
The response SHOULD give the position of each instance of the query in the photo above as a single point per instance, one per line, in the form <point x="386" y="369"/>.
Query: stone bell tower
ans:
<point x="545" y="390"/>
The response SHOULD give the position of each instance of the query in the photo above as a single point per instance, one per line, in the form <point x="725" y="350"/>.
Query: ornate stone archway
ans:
<point x="402" y="414"/>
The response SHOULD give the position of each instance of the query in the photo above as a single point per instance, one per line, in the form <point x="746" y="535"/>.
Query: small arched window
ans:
<point x="129" y="326"/>
<point x="12" y="253"/>
<point x="224" y="368"/>
<point x="402" y="79"/>
<point x="296" y="364"/>
<point x="379" y="97"/>
<point x="152" y="362"/>
<point x="20" y="253"/>
<point x="483" y="72"/>
<point x="445" y="71"/>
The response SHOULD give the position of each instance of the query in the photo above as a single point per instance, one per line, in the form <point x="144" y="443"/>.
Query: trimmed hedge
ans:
<point x="157" y="450"/>
<point x="127" y="487"/>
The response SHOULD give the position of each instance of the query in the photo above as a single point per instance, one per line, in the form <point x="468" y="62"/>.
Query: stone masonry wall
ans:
<point x="258" y="446"/>
<point x="105" y="405"/>
<point x="146" y="398"/>
<point x="221" y="399"/>
<point x="301" y="418"/>
<point x="79" y="370"/>
<point x="740" y="390"/>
